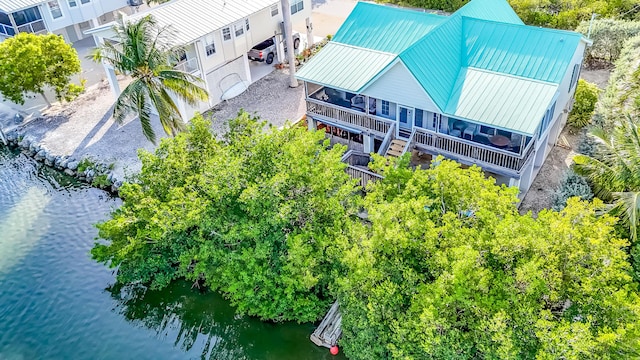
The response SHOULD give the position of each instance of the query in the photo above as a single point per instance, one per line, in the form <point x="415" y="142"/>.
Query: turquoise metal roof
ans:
<point x="344" y="67"/>
<point x="493" y="10"/>
<point x="385" y="28"/>
<point x="526" y="51"/>
<point x="435" y="60"/>
<point x="481" y="63"/>
<point x="498" y="100"/>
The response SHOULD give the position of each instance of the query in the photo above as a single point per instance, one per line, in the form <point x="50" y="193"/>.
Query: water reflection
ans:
<point x="205" y="321"/>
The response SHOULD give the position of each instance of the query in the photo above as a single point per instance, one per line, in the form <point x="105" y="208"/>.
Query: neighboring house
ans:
<point x="216" y="36"/>
<point x="477" y="86"/>
<point x="68" y="18"/>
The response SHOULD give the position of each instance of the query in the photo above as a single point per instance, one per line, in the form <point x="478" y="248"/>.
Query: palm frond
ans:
<point x="127" y="102"/>
<point x="627" y="208"/>
<point x="185" y="86"/>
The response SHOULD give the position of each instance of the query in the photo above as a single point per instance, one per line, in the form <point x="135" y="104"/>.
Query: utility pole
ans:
<point x="288" y="38"/>
<point x="593" y="17"/>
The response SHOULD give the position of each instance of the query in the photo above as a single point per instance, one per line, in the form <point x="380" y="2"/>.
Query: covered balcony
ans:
<point x="468" y="142"/>
<point x="26" y="20"/>
<point x="353" y="110"/>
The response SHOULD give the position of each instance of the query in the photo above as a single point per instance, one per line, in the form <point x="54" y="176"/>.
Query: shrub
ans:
<point x="572" y="185"/>
<point x="585" y="104"/>
<point x="608" y="36"/>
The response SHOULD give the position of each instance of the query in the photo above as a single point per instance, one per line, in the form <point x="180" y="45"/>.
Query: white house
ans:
<point x="216" y="36"/>
<point x="478" y="86"/>
<point x="69" y="18"/>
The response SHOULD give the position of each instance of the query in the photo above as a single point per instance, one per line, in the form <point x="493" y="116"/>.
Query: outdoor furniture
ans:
<point x="470" y="130"/>
<point x="499" y="141"/>
<point x="455" y="132"/>
<point x="459" y="125"/>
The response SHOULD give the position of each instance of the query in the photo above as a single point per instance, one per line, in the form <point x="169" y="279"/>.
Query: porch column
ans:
<point x="514" y="182"/>
<point x="247" y="69"/>
<point x="368" y="142"/>
<point x="366" y="104"/>
<point x="112" y="78"/>
<point x="312" y="124"/>
<point x="309" y="33"/>
<point x="280" y="48"/>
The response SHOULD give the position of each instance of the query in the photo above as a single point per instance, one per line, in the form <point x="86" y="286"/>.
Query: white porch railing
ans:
<point x="353" y="118"/>
<point x="448" y="145"/>
<point x="357" y="168"/>
<point x="188" y="66"/>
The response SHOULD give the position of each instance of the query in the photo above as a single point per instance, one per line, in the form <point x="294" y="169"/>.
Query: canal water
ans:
<point x="56" y="303"/>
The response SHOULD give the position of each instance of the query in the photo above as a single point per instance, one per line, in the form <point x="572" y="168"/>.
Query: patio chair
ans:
<point x="470" y="130"/>
<point x="357" y="102"/>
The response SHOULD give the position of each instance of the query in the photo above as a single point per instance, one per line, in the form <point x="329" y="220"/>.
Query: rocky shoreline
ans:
<point x="86" y="170"/>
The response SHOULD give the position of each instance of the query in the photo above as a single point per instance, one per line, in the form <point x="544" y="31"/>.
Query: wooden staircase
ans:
<point x="395" y="148"/>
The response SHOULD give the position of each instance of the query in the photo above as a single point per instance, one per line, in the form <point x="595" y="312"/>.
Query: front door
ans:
<point x="405" y="116"/>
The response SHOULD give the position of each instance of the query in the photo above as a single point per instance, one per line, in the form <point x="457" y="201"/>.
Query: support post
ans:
<point x="312" y="124"/>
<point x="309" y="33"/>
<point x="288" y="38"/>
<point x="368" y="143"/>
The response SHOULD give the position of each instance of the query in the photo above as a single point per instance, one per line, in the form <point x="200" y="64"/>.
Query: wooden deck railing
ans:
<point x="448" y="145"/>
<point x="353" y="118"/>
<point x="357" y="168"/>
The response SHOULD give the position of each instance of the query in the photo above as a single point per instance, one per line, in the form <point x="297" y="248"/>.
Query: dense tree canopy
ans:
<point x="562" y="14"/>
<point x="448" y="269"/>
<point x="253" y="214"/>
<point x="609" y="37"/>
<point x="32" y="63"/>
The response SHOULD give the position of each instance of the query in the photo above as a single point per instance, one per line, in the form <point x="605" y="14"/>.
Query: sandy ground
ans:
<point x="551" y="173"/>
<point x="271" y="98"/>
<point x="560" y="158"/>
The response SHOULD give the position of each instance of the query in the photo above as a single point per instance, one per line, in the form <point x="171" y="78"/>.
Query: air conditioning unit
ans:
<point x="135" y="2"/>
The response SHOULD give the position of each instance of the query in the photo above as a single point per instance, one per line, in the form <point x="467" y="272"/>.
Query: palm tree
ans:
<point x="615" y="171"/>
<point x="144" y="52"/>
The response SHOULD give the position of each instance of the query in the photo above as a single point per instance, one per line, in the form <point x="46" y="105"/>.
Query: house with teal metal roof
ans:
<point x="477" y="86"/>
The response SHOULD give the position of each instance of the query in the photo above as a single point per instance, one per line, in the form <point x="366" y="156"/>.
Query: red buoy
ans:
<point x="334" y="350"/>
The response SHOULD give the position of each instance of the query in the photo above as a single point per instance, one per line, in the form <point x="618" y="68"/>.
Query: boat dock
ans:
<point x="329" y="330"/>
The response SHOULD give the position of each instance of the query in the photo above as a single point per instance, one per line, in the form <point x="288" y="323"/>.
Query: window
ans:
<point x="239" y="29"/>
<point x="546" y="120"/>
<point x="85" y="1"/>
<point x="296" y="6"/>
<point x="418" y="118"/>
<point x="73" y="3"/>
<point x="274" y="10"/>
<point x="574" y="76"/>
<point x="54" y="7"/>
<point x="246" y="24"/>
<point x="434" y="121"/>
<point x="385" y="108"/>
<point x="209" y="46"/>
<point x="26" y="16"/>
<point x="226" y="34"/>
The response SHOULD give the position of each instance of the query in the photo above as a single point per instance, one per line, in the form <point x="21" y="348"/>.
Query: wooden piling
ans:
<point x="329" y="330"/>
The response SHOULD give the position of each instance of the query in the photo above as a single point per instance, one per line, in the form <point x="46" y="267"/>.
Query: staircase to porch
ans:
<point x="396" y="148"/>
